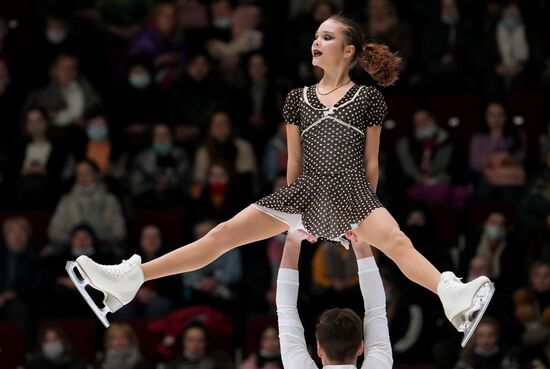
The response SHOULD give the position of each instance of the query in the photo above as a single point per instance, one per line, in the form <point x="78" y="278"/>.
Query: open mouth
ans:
<point x="316" y="53"/>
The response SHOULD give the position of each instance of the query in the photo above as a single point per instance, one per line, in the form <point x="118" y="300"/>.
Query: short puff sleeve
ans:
<point x="376" y="108"/>
<point x="291" y="109"/>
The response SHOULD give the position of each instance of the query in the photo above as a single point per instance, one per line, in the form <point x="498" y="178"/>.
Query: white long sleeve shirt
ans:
<point x="294" y="354"/>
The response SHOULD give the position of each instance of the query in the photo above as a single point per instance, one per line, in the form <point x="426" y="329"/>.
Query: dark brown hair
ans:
<point x="376" y="59"/>
<point x="340" y="332"/>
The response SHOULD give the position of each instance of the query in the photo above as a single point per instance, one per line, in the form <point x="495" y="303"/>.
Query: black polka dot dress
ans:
<point x="332" y="195"/>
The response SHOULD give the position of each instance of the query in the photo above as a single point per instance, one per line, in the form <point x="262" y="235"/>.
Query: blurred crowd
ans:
<point x="137" y="126"/>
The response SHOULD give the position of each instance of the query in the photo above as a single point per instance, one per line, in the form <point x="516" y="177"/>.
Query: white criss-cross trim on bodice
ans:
<point x="328" y="113"/>
<point x="339" y="121"/>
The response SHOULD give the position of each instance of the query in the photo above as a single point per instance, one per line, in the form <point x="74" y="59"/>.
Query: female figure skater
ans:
<point x="333" y="139"/>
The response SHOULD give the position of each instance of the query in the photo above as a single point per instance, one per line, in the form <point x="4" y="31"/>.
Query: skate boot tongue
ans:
<point x="135" y="259"/>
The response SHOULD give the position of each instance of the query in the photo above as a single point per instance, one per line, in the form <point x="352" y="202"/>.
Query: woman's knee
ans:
<point x="396" y="242"/>
<point x="221" y="233"/>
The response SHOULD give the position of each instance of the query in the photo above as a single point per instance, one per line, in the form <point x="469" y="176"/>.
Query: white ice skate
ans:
<point x="119" y="283"/>
<point x="465" y="303"/>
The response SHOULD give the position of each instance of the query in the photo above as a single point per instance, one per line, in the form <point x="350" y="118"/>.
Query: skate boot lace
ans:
<point x="451" y="282"/>
<point x="118" y="270"/>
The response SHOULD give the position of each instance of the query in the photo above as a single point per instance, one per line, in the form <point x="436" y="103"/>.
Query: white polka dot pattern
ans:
<point x="332" y="194"/>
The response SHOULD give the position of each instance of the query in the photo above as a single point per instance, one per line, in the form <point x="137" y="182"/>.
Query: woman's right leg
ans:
<point x="250" y="225"/>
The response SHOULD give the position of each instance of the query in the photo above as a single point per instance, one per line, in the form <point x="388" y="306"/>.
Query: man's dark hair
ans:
<point x="339" y="332"/>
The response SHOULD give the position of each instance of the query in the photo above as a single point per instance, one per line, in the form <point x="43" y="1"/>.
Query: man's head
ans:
<point x="339" y="336"/>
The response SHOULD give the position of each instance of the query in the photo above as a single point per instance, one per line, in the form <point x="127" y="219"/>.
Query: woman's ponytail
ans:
<point x="380" y="63"/>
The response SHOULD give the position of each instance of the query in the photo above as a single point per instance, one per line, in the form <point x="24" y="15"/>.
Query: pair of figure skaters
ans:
<point x="333" y="136"/>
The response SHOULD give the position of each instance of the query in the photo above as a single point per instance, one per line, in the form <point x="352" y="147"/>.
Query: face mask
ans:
<point x="53" y="350"/>
<point x="510" y="21"/>
<point x="55" y="36"/>
<point x="222" y="23"/>
<point x="162" y="148"/>
<point x="484" y="353"/>
<point x="449" y="20"/>
<point x="97" y="133"/>
<point x="36" y="130"/>
<point x="269" y="355"/>
<point x="217" y="187"/>
<point x="139" y="81"/>
<point x="425" y="132"/>
<point x="86" y="191"/>
<point x="494" y="233"/>
<point x="88" y="252"/>
<point x="191" y="356"/>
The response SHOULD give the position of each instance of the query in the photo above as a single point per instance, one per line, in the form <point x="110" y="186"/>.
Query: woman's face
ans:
<point x="36" y="125"/>
<point x="486" y="337"/>
<point x="82" y="240"/>
<point x="118" y="340"/>
<point x="51" y="337"/>
<point x="329" y="47"/>
<point x="495" y="115"/>
<point x="85" y="174"/>
<point x="270" y="341"/>
<point x="540" y="279"/>
<point x="217" y="174"/>
<point x="194" y="341"/>
<point x="220" y="127"/>
<point x="150" y="239"/>
<point x="166" y="19"/>
<point x="16" y="238"/>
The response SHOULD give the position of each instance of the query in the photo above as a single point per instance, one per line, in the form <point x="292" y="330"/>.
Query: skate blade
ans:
<point x="481" y="299"/>
<point x="101" y="313"/>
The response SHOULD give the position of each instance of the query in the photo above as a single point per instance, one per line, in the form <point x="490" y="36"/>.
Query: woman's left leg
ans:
<point x="382" y="231"/>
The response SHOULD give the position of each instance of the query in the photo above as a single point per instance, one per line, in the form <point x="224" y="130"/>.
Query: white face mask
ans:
<point x="425" y="132"/>
<point x="88" y="252"/>
<point x="494" y="233"/>
<point x="139" y="81"/>
<point x="53" y="350"/>
<point x="86" y="191"/>
<point x="222" y="23"/>
<point x="55" y="36"/>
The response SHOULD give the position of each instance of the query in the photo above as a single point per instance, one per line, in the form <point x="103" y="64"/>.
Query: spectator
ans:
<point x="507" y="51"/>
<point x="204" y="93"/>
<point x="68" y="96"/>
<point x="215" y="284"/>
<point x="497" y="157"/>
<point x="159" y="174"/>
<point x="11" y="100"/>
<point x="447" y="50"/>
<point x="223" y="146"/>
<point x="62" y="298"/>
<point x="19" y="280"/>
<point x="221" y="196"/>
<point x="268" y="355"/>
<point x="532" y="305"/>
<point x="56" y="37"/>
<point x="275" y="155"/>
<point x="486" y="351"/>
<point x="54" y="352"/>
<point x="383" y="26"/>
<point x="36" y="165"/>
<point x="426" y="158"/>
<point x="334" y="277"/>
<point x="479" y="265"/>
<point x="244" y="38"/>
<point x="195" y="353"/>
<point x="121" y="349"/>
<point x="496" y="243"/>
<point x="407" y="320"/>
<point x="155" y="298"/>
<point x="261" y="103"/>
<point x="160" y="40"/>
<point x="535" y="205"/>
<point x="88" y="202"/>
<point x="105" y="152"/>
<point x="136" y="106"/>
